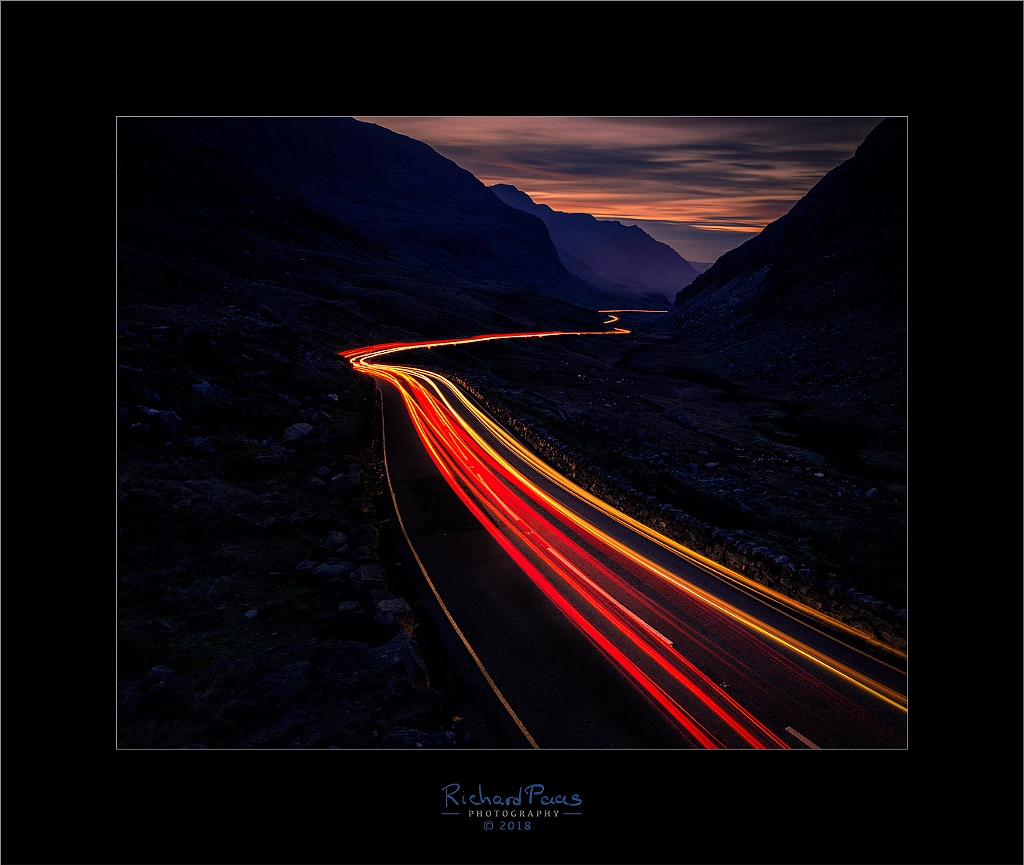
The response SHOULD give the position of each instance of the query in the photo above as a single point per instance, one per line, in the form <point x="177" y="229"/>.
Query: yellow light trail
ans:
<point x="442" y="436"/>
<point x="361" y="358"/>
<point x="684" y="552"/>
<point x="864" y="682"/>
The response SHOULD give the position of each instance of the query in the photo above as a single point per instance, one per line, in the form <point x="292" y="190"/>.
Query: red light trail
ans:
<point x="640" y="615"/>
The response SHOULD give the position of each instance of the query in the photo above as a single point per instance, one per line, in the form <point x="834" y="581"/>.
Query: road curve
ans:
<point x="593" y="630"/>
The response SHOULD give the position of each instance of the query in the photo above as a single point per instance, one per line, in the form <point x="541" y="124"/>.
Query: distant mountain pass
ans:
<point x="605" y="253"/>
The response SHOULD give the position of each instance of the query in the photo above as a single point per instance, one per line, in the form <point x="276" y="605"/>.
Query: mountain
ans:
<point x="248" y="254"/>
<point x="394" y="195"/>
<point x="816" y="303"/>
<point x="606" y="253"/>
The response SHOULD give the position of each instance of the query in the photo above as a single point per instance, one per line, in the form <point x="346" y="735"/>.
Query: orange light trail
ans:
<point x="565" y="556"/>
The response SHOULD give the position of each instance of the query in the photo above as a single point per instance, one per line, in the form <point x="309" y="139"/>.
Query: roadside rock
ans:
<point x="169" y="421"/>
<point x="210" y="391"/>
<point x="394" y="616"/>
<point x="332" y="570"/>
<point x="365" y="666"/>
<point x="335" y="541"/>
<point x="402" y="737"/>
<point x="369" y="577"/>
<point x="345" y="484"/>
<point x="297" y="432"/>
<point x="202" y="446"/>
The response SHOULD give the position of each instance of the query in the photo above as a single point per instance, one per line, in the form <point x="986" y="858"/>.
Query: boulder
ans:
<point x="202" y="446"/>
<point x="297" y="432"/>
<point x="332" y="570"/>
<point x="340" y="485"/>
<point x="356" y="663"/>
<point x="369" y="577"/>
<point x="394" y="616"/>
<point x="169" y="421"/>
<point x="210" y="391"/>
<point x="335" y="541"/>
<point x="893" y="639"/>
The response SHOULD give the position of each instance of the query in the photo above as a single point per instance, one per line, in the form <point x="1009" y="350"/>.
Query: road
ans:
<point x="592" y="630"/>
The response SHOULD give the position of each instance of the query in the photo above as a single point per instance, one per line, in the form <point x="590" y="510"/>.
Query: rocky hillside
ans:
<point x="607" y="253"/>
<point x="391" y="194"/>
<point x="815" y="305"/>
<point x="262" y="601"/>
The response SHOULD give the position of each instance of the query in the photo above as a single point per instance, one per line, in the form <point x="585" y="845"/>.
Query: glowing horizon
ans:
<point x="702" y="185"/>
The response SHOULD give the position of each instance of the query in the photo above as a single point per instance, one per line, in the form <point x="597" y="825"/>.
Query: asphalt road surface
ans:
<point x="585" y="629"/>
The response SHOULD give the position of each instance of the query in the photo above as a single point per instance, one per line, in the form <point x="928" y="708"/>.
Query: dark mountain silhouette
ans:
<point x="816" y="303"/>
<point x="607" y="253"/>
<point x="394" y="195"/>
<point x="249" y="254"/>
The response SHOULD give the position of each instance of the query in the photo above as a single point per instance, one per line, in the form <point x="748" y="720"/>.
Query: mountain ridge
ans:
<point x="607" y="253"/>
<point x="818" y="298"/>
<point x="393" y="191"/>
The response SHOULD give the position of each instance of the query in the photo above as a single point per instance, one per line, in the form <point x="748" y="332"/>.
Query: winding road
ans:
<point x="589" y="629"/>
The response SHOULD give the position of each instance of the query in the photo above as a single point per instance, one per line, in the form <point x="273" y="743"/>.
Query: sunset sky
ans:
<point x="703" y="185"/>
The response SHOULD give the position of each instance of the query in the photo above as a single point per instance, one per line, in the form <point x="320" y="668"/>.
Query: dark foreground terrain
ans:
<point x="256" y="576"/>
<point x="258" y="591"/>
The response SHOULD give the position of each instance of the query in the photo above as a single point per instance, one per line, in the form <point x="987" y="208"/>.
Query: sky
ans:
<point x="703" y="185"/>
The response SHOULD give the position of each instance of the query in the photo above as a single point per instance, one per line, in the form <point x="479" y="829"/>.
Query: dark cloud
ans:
<point x="699" y="174"/>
